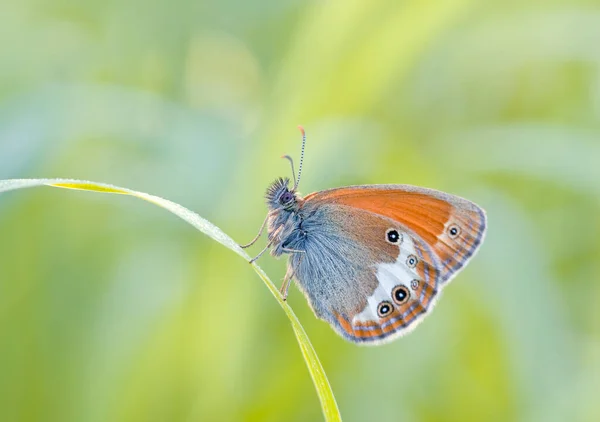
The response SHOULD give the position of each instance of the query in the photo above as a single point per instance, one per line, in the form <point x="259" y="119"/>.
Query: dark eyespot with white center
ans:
<point x="411" y="261"/>
<point x="393" y="237"/>
<point x="286" y="197"/>
<point x="414" y="284"/>
<point x="400" y="294"/>
<point x="453" y="231"/>
<point x="384" y="309"/>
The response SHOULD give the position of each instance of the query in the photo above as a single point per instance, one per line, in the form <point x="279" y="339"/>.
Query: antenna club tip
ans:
<point x="301" y="129"/>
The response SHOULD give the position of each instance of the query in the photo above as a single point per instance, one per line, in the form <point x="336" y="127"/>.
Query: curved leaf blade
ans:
<point x="324" y="391"/>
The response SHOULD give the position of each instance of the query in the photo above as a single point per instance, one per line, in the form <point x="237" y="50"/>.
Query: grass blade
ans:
<point x="326" y="397"/>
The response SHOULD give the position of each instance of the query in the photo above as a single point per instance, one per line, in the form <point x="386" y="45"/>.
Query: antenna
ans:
<point x="301" y="156"/>
<point x="290" y="159"/>
<point x="287" y="157"/>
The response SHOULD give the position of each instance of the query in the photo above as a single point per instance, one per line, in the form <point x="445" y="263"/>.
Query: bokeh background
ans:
<point x="114" y="310"/>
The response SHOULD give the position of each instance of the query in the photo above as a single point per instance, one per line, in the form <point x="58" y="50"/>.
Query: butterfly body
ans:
<point x="372" y="259"/>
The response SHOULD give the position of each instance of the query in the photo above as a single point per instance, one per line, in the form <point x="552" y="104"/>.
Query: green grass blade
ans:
<point x="328" y="403"/>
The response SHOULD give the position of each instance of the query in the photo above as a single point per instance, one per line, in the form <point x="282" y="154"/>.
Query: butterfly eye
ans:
<point x="286" y="197"/>
<point x="411" y="261"/>
<point x="453" y="231"/>
<point x="400" y="294"/>
<point x="414" y="284"/>
<point x="393" y="236"/>
<point x="384" y="309"/>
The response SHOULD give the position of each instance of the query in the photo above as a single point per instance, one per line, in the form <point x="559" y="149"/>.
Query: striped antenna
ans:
<point x="301" y="156"/>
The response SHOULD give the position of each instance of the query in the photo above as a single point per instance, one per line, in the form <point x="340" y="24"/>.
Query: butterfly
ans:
<point x="372" y="259"/>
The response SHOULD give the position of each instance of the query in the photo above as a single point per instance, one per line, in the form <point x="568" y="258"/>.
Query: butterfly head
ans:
<point x="280" y="197"/>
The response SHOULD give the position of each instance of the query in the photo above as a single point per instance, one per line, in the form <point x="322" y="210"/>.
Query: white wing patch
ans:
<point x="389" y="276"/>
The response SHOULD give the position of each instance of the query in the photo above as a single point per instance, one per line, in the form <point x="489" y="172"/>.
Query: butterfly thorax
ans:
<point x="284" y="222"/>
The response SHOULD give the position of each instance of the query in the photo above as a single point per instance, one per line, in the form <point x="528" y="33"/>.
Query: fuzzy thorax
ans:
<point x="284" y="220"/>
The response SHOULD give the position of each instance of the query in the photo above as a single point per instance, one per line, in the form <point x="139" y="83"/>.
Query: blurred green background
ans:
<point x="114" y="310"/>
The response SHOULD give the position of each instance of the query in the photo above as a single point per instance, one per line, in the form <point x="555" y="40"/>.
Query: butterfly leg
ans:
<point x="260" y="232"/>
<point x="287" y="280"/>
<point x="288" y="250"/>
<point x="261" y="252"/>
<point x="269" y="244"/>
<point x="285" y="287"/>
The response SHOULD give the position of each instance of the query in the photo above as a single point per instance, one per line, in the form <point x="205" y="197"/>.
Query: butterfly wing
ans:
<point x="380" y="255"/>
<point x="452" y="226"/>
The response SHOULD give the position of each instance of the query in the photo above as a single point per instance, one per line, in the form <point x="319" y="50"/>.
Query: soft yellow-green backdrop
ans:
<point x="114" y="310"/>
